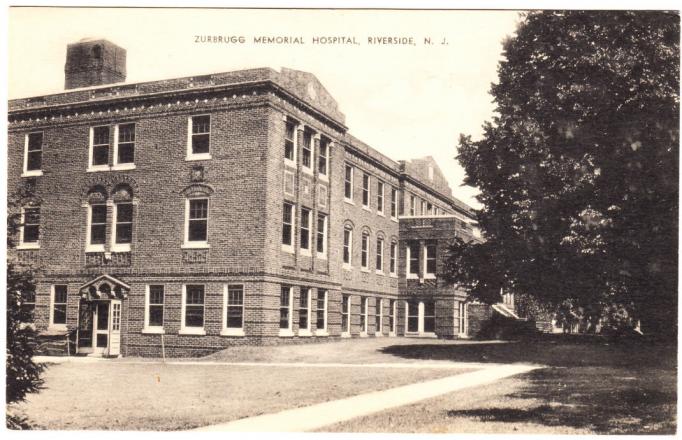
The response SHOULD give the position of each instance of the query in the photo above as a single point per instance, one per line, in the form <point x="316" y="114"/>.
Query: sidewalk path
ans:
<point x="324" y="414"/>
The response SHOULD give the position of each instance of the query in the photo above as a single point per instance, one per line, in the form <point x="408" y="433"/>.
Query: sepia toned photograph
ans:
<point x="342" y="220"/>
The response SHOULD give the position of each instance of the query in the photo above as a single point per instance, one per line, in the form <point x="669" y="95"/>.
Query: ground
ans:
<point x="585" y="386"/>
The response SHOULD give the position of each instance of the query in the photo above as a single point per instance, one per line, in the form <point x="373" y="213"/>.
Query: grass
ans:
<point x="155" y="396"/>
<point x="591" y="386"/>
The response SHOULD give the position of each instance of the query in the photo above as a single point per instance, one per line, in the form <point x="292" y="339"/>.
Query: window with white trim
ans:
<point x="364" y="251"/>
<point x="193" y="306"/>
<point x="380" y="255"/>
<point x="413" y="205"/>
<point x="234" y="308"/>
<point x="391" y="316"/>
<point x="123" y="226"/>
<point x="380" y="197"/>
<point x="321" y="235"/>
<point x="28" y="306"/>
<point x="345" y="314"/>
<point x="307" y="151"/>
<point x="59" y="299"/>
<point x="393" y="257"/>
<point x="348" y="184"/>
<point x="321" y="310"/>
<point x="285" y="309"/>
<point x="429" y="208"/>
<point x="413" y="260"/>
<point x="365" y="190"/>
<point x="347" y="246"/>
<point x="288" y="226"/>
<point x="97" y="226"/>
<point x="412" y="316"/>
<point x="196" y="226"/>
<point x="394" y="203"/>
<point x="154" y="312"/>
<point x="323" y="158"/>
<point x="429" y="317"/>
<point x="378" y="316"/>
<point x="304" y="310"/>
<point x="29" y="229"/>
<point x="199" y="142"/>
<point x="125" y="144"/>
<point x="423" y="210"/>
<point x="33" y="154"/>
<point x="305" y="230"/>
<point x="290" y="141"/>
<point x="364" y="314"/>
<point x="430" y="260"/>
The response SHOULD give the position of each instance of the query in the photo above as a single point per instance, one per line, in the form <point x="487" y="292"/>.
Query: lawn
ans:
<point x="156" y="396"/>
<point x="591" y="386"/>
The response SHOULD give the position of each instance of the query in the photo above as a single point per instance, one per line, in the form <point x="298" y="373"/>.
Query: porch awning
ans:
<point x="104" y="287"/>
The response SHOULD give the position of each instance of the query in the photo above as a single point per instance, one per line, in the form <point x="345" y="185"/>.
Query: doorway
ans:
<point x="99" y="327"/>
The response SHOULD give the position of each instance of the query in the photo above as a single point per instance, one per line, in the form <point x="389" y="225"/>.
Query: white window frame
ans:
<point x="289" y="247"/>
<point x="304" y="251"/>
<point x="364" y="239"/>
<point x="305" y="169"/>
<point x="367" y="190"/>
<point x="427" y="274"/>
<point x="120" y="247"/>
<point x="123" y="166"/>
<point x="352" y="183"/>
<point x="52" y="325"/>
<point x="408" y="274"/>
<point x="324" y="176"/>
<point x="22" y="244"/>
<point x="91" y="155"/>
<point x="88" y="232"/>
<point x="380" y="197"/>
<point x="198" y="156"/>
<point x="394" y="202"/>
<point x="379" y="310"/>
<point x="291" y="162"/>
<point x="413" y="205"/>
<point x="323" y="254"/>
<point x="345" y="332"/>
<point x="365" y="312"/>
<point x="423" y="210"/>
<point x="155" y="329"/>
<point x="393" y="331"/>
<point x="287" y="332"/>
<point x="196" y="244"/>
<point x="393" y="257"/>
<point x="191" y="330"/>
<point x="232" y="331"/>
<point x="420" y="321"/>
<point x="380" y="254"/>
<point x="308" y="330"/>
<point x="322" y="331"/>
<point x="348" y="265"/>
<point x="25" y="171"/>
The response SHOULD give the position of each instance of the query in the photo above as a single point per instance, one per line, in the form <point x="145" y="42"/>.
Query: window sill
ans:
<point x="28" y="246"/>
<point x="307" y="170"/>
<point x="412" y="276"/>
<point x="365" y="269"/>
<point x="393" y="219"/>
<point x="305" y="333"/>
<point x="363" y="334"/>
<point x="393" y="275"/>
<point x="153" y="331"/>
<point x="306" y="252"/>
<point x="286" y="333"/>
<point x="323" y="177"/>
<point x="345" y="335"/>
<point x="322" y="256"/>
<point x="32" y="173"/>
<point x="366" y="208"/>
<point x="429" y="276"/>
<point x="232" y="332"/>
<point x="380" y="214"/>
<point x="290" y="163"/>
<point x="95" y="248"/>
<point x="120" y="248"/>
<point x="321" y="333"/>
<point x="288" y="249"/>
<point x="202" y="156"/>
<point x="57" y="327"/>
<point x="123" y="167"/>
<point x="197" y="245"/>
<point x="97" y="168"/>
<point x="349" y="201"/>
<point x="347" y="266"/>
<point x="195" y="331"/>
<point x="380" y="272"/>
<point x="378" y="334"/>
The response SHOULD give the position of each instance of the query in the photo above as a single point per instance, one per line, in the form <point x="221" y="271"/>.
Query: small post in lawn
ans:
<point x="163" y="349"/>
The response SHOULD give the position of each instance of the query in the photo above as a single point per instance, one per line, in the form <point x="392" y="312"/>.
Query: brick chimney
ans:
<point x="91" y="62"/>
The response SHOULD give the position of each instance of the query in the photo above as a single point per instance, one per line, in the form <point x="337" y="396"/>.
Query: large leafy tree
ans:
<point x="578" y="169"/>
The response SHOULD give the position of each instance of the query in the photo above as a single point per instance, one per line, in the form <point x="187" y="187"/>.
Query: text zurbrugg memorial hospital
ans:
<point x="318" y="40"/>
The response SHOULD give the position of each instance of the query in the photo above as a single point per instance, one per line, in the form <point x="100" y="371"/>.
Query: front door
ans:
<point x="100" y="333"/>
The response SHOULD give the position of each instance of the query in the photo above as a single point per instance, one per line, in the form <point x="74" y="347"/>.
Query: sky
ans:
<point x="406" y="101"/>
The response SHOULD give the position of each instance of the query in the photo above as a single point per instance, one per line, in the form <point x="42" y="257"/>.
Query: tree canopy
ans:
<point x="578" y="169"/>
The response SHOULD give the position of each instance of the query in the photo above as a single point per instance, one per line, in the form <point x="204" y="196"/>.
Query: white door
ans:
<point x="115" y="328"/>
<point x="100" y="327"/>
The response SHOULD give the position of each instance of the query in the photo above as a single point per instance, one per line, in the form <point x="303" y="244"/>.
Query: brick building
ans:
<point x="192" y="214"/>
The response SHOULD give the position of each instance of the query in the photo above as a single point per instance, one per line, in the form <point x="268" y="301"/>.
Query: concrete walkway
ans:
<point x="318" y="416"/>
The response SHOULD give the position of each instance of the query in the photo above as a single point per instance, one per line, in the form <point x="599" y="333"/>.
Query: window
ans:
<point x="430" y="260"/>
<point x="364" y="255"/>
<point x="321" y="311"/>
<point x="323" y="158"/>
<point x="365" y="190"/>
<point x="413" y="260"/>
<point x="29" y="232"/>
<point x="193" y="307"/>
<point x="99" y="147"/>
<point x="98" y="227"/>
<point x="58" y="315"/>
<point x="423" y="211"/>
<point x="305" y="230"/>
<point x="429" y="317"/>
<point x="197" y="222"/>
<point x="322" y="195"/>
<point x="154" y="315"/>
<point x="364" y="312"/>
<point x="392" y="262"/>
<point x="285" y="308"/>
<point x="348" y="184"/>
<point x="288" y="226"/>
<point x="304" y="310"/>
<point x="234" y="310"/>
<point x="394" y="203"/>
<point x="347" y="246"/>
<point x="413" y="205"/>
<point x="125" y="144"/>
<point x="380" y="197"/>
<point x="345" y="314"/>
<point x="412" y="316"/>
<point x="289" y="143"/>
<point x="380" y="255"/>
<point x="33" y="154"/>
<point x="200" y="137"/>
<point x="307" y="150"/>
<point x="391" y="316"/>
<point x="429" y="208"/>
<point x="28" y="306"/>
<point x="321" y="235"/>
<point x="123" y="226"/>
<point x="378" y="312"/>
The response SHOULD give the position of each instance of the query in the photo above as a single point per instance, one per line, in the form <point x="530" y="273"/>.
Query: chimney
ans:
<point x="91" y="62"/>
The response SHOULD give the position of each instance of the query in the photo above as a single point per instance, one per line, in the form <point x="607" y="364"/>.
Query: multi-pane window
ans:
<point x="304" y="309"/>
<point x="345" y="314"/>
<point x="34" y="152"/>
<point x="289" y="136"/>
<point x="321" y="310"/>
<point x="429" y="208"/>
<point x="365" y="190"/>
<point x="391" y="316"/>
<point x="394" y="203"/>
<point x="380" y="197"/>
<point x="124" y="223"/>
<point x="197" y="222"/>
<point x="363" y="314"/>
<point x="305" y="229"/>
<point x="377" y="315"/>
<point x="307" y="150"/>
<point x="413" y="205"/>
<point x="429" y="317"/>
<point x="392" y="260"/>
<point x="321" y="234"/>
<point x="201" y="134"/>
<point x="126" y="144"/>
<point x="287" y="224"/>
<point x="28" y="306"/>
<point x="194" y="306"/>
<point x="430" y="259"/>
<point x="423" y="211"/>
<point x="347" y="245"/>
<point x="98" y="224"/>
<point x="412" y="316"/>
<point x="155" y="306"/>
<point x="323" y="157"/>
<point x="59" y="304"/>
<point x="364" y="251"/>
<point x="234" y="314"/>
<point x="413" y="258"/>
<point x="380" y="254"/>
<point x="30" y="230"/>
<point x="285" y="306"/>
<point x="100" y="146"/>
<point x="348" y="183"/>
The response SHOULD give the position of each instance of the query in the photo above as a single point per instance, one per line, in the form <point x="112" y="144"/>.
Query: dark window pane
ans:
<point x="124" y="233"/>
<point x="103" y="316"/>
<point x="156" y="315"/>
<point x="124" y="212"/>
<point x="98" y="234"/>
<point x="289" y="149"/>
<point x="99" y="214"/>
<point x="60" y="294"/>
<point x="31" y="233"/>
<point x="194" y="316"/>
<point x="156" y="294"/>
<point x="102" y="340"/>
<point x="35" y="141"/>
<point x="34" y="160"/>
<point x="200" y="143"/>
<point x="412" y="324"/>
<point x="198" y="208"/>
<point x="198" y="230"/>
<point x="59" y="314"/>
<point x="286" y="234"/>
<point x="100" y="155"/>
<point x="100" y="136"/>
<point x="126" y="133"/>
<point x="201" y="124"/>
<point x="126" y="153"/>
<point x="234" y="316"/>
<point x="195" y="294"/>
<point x="429" y="324"/>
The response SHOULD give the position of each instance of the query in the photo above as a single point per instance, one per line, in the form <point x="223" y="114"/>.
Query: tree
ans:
<point x="578" y="169"/>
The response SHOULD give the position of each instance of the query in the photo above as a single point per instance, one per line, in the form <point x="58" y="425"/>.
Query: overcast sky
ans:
<point x="405" y="101"/>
